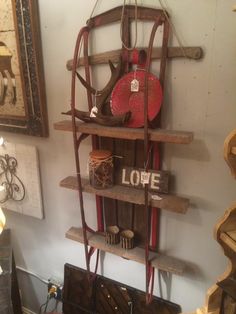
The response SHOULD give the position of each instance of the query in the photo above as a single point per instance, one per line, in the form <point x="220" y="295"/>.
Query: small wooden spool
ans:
<point x="127" y="239"/>
<point x="112" y="235"/>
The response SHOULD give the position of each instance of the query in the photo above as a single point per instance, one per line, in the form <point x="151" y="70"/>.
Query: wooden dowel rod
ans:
<point x="195" y="53"/>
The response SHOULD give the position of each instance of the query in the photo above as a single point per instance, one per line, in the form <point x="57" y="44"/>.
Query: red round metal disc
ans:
<point x="123" y="99"/>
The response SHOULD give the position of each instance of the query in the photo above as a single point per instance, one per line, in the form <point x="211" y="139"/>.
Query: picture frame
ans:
<point x="22" y="87"/>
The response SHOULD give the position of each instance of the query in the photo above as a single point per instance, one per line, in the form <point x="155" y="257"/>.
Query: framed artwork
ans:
<point x="22" y="87"/>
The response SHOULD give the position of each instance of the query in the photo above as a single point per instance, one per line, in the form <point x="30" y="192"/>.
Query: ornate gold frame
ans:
<point x="28" y="41"/>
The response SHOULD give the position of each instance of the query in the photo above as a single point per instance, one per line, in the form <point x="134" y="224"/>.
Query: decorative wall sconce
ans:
<point x="11" y="187"/>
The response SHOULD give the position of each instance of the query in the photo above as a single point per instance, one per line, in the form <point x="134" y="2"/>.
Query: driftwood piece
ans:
<point x="194" y="53"/>
<point x="101" y="119"/>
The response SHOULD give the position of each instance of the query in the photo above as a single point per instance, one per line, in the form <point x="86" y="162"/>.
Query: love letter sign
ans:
<point x="135" y="177"/>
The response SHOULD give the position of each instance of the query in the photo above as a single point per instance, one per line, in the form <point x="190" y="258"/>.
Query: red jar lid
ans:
<point x="100" y="154"/>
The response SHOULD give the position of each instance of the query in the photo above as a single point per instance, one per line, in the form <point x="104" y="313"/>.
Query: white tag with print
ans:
<point x="134" y="87"/>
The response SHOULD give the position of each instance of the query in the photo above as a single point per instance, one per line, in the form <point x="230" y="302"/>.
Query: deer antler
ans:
<point x="101" y="99"/>
<point x="102" y="95"/>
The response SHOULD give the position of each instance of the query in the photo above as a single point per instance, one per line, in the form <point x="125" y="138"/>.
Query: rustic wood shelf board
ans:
<point x="159" y="261"/>
<point x="122" y="193"/>
<point x="158" y="135"/>
<point x="114" y="55"/>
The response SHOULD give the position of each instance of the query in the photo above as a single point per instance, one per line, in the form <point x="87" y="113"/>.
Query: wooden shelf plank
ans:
<point x="114" y="55"/>
<point x="157" y="135"/>
<point x="137" y="254"/>
<point x="122" y="193"/>
<point x="228" y="240"/>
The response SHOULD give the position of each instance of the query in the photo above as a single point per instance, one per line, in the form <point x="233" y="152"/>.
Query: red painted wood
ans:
<point x="123" y="99"/>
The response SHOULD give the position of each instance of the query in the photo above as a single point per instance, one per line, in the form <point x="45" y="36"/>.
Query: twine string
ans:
<point x="174" y="30"/>
<point x="100" y="171"/>
<point x="94" y="7"/>
<point x="136" y="26"/>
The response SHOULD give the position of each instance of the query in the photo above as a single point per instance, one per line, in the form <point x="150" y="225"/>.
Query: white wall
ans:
<point x="200" y="97"/>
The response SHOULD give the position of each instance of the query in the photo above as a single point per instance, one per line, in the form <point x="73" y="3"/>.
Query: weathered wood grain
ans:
<point x="158" y="135"/>
<point x="168" y="202"/>
<point x="195" y="53"/>
<point x="159" y="261"/>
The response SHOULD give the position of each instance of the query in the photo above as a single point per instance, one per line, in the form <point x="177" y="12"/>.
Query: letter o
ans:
<point x="134" y="177"/>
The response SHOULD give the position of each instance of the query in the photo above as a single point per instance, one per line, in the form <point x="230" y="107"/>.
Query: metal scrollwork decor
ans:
<point x="14" y="187"/>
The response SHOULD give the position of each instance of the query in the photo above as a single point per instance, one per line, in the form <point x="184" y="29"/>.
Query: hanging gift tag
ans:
<point x="145" y="177"/>
<point x="93" y="112"/>
<point x="134" y="86"/>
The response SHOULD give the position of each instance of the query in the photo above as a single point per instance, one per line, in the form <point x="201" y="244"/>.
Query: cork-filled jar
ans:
<point x="101" y="169"/>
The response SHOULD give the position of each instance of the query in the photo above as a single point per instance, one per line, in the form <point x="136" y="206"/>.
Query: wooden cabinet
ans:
<point x="107" y="296"/>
